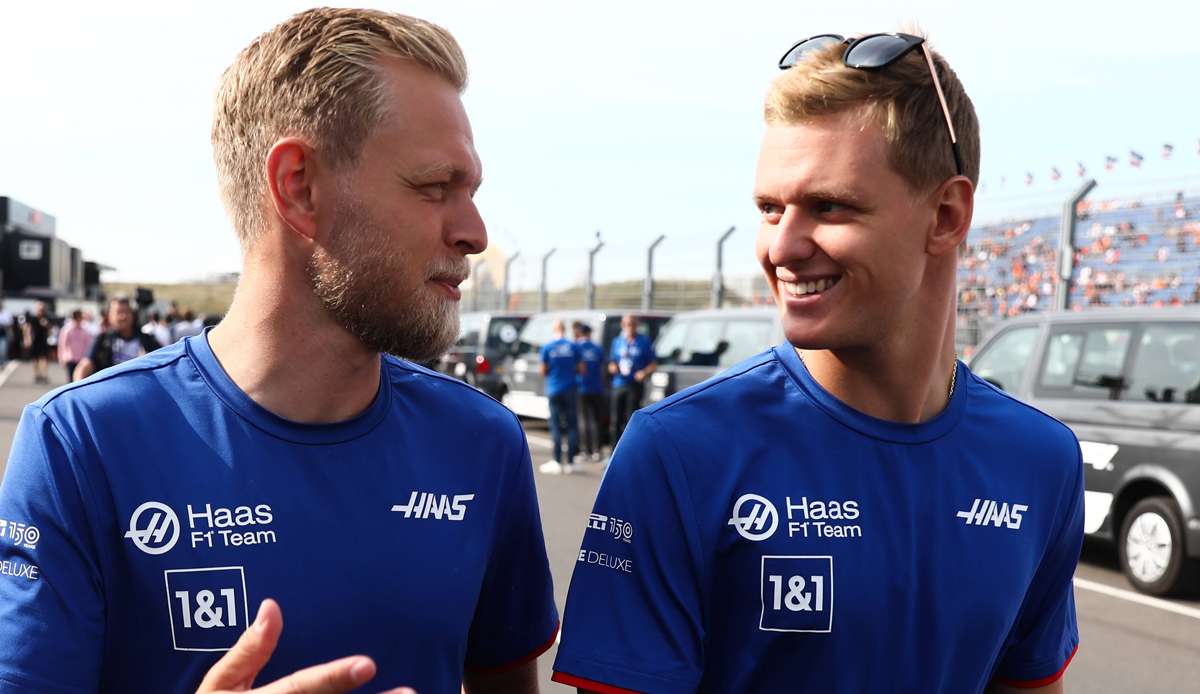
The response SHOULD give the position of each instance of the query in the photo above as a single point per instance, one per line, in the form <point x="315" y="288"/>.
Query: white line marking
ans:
<point x="539" y="440"/>
<point x="9" y="368"/>
<point x="1137" y="597"/>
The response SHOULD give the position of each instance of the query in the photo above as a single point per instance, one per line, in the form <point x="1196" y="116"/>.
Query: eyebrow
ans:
<point x="842" y="196"/>
<point x="442" y="170"/>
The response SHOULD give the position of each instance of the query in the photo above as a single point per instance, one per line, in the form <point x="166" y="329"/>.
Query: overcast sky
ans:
<point x="633" y="119"/>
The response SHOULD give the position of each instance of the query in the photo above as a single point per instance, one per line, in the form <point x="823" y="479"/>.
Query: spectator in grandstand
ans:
<point x="119" y="344"/>
<point x="37" y="342"/>
<point x="591" y="390"/>
<point x="561" y="367"/>
<point x="630" y="361"/>
<point x="74" y="343"/>
<point x="346" y="161"/>
<point x="710" y="575"/>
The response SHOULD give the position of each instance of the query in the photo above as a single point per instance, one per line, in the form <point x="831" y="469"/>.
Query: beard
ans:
<point x="372" y="290"/>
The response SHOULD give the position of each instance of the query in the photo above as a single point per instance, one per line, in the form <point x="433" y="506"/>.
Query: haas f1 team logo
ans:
<point x="754" y="517"/>
<point x="154" y="528"/>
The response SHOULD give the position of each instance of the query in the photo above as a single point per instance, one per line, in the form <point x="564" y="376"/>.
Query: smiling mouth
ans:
<point x="809" y="288"/>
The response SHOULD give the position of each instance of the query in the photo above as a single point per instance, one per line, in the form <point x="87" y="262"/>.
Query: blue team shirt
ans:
<point x="630" y="356"/>
<point x="755" y="534"/>
<point x="158" y="505"/>
<point x="591" y="381"/>
<point x="562" y="359"/>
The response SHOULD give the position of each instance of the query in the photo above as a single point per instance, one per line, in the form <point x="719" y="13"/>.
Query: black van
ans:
<point x="1127" y="381"/>
<point x="525" y="392"/>
<point x="485" y="340"/>
<point x="697" y="345"/>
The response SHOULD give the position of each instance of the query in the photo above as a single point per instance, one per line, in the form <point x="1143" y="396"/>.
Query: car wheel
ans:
<point x="1151" y="547"/>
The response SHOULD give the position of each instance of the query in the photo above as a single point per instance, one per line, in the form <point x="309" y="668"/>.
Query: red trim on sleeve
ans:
<point x="581" y="683"/>
<point x="1034" y="684"/>
<point x="514" y="664"/>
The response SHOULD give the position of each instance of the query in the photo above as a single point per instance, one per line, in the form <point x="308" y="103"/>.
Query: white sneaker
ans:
<point x="568" y="469"/>
<point x="596" y="457"/>
<point x="551" y="467"/>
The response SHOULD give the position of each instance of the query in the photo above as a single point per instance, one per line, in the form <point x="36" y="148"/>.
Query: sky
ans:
<point x="631" y="119"/>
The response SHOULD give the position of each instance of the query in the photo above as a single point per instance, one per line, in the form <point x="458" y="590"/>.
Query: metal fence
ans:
<point x="1137" y="250"/>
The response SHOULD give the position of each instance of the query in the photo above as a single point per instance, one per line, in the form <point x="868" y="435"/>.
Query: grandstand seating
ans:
<point x="1132" y="253"/>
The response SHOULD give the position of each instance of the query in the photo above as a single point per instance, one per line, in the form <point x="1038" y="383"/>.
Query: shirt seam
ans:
<point x="621" y="668"/>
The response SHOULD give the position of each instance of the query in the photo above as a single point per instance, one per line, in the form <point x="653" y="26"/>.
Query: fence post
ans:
<point x="590" y="292"/>
<point x="542" y="297"/>
<point x="1066" y="244"/>
<point x="475" y="283"/>
<point x="718" y="282"/>
<point x="504" y="296"/>
<point x="648" y="283"/>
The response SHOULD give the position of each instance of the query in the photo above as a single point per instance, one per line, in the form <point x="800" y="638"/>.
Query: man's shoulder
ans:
<point x="117" y="388"/>
<point x="724" y="392"/>
<point x="445" y="396"/>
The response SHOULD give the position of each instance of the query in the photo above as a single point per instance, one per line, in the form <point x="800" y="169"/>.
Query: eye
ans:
<point x="770" y="211"/>
<point x="436" y="190"/>
<point x="830" y="208"/>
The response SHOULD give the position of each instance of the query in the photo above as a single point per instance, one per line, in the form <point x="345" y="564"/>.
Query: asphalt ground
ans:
<point x="1130" y="643"/>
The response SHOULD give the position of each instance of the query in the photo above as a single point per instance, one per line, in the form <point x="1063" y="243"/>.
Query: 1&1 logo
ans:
<point x="162" y="521"/>
<point x="762" y="515"/>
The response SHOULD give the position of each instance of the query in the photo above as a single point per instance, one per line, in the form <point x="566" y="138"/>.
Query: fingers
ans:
<point x="336" y="677"/>
<point x="237" y="669"/>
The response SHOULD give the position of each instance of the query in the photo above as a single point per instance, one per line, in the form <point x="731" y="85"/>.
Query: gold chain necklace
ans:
<point x="953" y="374"/>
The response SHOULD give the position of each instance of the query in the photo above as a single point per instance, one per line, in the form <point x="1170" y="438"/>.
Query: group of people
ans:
<point x="575" y="372"/>
<point x="285" y="459"/>
<point x="84" y="345"/>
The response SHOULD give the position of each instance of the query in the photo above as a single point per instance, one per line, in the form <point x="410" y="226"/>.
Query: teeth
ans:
<point x="805" y="288"/>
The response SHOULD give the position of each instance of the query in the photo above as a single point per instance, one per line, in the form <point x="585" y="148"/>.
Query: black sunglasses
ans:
<point x="872" y="52"/>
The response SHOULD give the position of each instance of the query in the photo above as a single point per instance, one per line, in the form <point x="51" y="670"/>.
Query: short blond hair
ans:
<point x="317" y="76"/>
<point x="900" y="98"/>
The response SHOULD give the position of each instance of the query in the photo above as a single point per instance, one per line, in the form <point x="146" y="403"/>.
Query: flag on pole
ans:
<point x="1168" y="149"/>
<point x="1055" y="174"/>
<point x="1135" y="159"/>
<point x="1110" y="163"/>
<point x="1080" y="169"/>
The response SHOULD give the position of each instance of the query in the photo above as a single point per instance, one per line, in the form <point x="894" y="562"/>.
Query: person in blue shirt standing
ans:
<point x="630" y="361"/>
<point x="852" y="510"/>
<point x="284" y="459"/>
<point x="591" y="389"/>
<point x="561" y="367"/>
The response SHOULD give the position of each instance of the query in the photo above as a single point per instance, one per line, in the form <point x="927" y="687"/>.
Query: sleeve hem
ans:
<point x="582" y="683"/>
<point x="1034" y="684"/>
<point x="528" y="657"/>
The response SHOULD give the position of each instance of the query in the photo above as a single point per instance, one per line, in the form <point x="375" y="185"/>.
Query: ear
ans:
<point x="955" y="201"/>
<point x="292" y="185"/>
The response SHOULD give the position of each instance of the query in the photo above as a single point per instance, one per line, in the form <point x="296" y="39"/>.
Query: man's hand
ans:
<point x="639" y="376"/>
<point x="236" y="671"/>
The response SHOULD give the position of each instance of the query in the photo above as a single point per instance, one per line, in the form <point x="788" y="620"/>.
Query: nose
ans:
<point x="465" y="229"/>
<point x="792" y="239"/>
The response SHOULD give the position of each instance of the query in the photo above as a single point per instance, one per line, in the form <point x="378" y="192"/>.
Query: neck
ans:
<point x="283" y="349"/>
<point x="903" y="378"/>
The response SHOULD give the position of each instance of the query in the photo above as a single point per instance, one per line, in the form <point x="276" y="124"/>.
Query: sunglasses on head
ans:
<point x="872" y="52"/>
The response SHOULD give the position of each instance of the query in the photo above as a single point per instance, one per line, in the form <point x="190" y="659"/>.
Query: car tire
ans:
<point x="1151" y="548"/>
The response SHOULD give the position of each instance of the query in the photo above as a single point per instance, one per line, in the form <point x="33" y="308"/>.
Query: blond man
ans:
<point x="853" y="510"/>
<point x="283" y="459"/>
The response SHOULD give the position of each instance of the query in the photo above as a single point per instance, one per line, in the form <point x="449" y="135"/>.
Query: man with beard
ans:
<point x="283" y="459"/>
<point x="117" y="345"/>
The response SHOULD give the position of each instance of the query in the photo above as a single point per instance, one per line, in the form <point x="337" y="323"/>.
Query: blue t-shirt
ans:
<point x="755" y="534"/>
<point x="561" y="358"/>
<point x="591" y="381"/>
<point x="159" y="504"/>
<point x="630" y="356"/>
